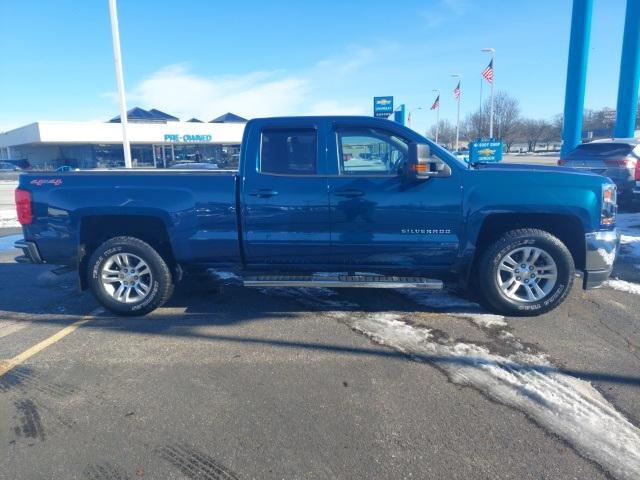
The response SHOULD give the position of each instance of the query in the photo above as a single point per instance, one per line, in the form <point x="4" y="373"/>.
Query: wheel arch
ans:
<point x="97" y="229"/>
<point x="567" y="228"/>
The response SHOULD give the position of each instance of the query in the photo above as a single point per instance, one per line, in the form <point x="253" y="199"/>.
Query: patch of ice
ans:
<point x="564" y="405"/>
<point x="624" y="286"/>
<point x="485" y="320"/>
<point x="310" y="297"/>
<point x="6" y="243"/>
<point x="8" y="218"/>
<point x="442" y="300"/>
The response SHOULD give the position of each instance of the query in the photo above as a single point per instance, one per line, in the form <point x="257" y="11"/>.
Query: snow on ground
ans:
<point x="564" y="405"/>
<point x="6" y="243"/>
<point x="629" y="226"/>
<point x="567" y="406"/>
<point x="456" y="306"/>
<point x="624" y="286"/>
<point x="8" y="218"/>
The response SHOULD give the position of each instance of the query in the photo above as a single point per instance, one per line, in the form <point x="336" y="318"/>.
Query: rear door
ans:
<point x="376" y="220"/>
<point x="284" y="196"/>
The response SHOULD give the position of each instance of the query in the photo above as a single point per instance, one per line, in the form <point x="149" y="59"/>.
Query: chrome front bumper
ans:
<point x="601" y="251"/>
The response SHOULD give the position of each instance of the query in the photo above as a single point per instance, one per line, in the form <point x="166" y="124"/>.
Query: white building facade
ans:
<point x="154" y="144"/>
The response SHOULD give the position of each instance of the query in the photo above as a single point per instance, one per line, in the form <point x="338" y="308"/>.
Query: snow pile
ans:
<point x="564" y="405"/>
<point x="624" y="286"/>
<point x="8" y="218"/>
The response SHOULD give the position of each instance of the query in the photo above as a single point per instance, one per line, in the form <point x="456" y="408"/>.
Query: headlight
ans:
<point x="609" y="207"/>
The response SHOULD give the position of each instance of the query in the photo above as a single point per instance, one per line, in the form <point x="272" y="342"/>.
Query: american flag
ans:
<point x="456" y="92"/>
<point x="436" y="103"/>
<point x="487" y="73"/>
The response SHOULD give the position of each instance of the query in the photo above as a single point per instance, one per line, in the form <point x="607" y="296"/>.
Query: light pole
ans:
<point x="492" y="51"/>
<point x="458" y="94"/>
<point x="409" y="117"/>
<point x="117" y="58"/>
<point x="437" y="112"/>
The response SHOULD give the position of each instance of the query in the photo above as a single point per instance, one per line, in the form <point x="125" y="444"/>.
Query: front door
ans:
<point x="163" y="156"/>
<point x="285" y="199"/>
<point x="379" y="222"/>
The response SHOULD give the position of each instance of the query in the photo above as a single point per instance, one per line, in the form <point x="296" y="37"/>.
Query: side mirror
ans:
<point x="423" y="165"/>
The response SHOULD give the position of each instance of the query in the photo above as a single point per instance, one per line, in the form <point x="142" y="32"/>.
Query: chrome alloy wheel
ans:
<point x="126" y="278"/>
<point x="527" y="274"/>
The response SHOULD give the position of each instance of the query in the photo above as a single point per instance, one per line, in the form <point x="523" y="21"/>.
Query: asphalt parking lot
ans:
<point x="295" y="383"/>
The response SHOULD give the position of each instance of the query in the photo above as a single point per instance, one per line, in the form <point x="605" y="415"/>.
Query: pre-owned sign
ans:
<point x="174" y="137"/>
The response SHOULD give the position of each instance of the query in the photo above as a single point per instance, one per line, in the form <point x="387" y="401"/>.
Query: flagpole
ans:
<point x="459" y="77"/>
<point x="117" y="58"/>
<point x="437" y="115"/>
<point x="492" y="51"/>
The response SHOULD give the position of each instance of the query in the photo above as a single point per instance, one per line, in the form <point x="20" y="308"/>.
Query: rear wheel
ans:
<point x="526" y="272"/>
<point x="129" y="277"/>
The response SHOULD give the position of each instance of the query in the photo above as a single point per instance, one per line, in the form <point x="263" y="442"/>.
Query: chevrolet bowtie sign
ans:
<point x="485" y="151"/>
<point x="382" y="106"/>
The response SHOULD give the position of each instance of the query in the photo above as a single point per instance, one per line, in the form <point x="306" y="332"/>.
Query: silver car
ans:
<point x="616" y="158"/>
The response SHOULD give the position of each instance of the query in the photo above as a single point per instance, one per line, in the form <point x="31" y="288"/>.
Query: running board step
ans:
<point x="345" y="281"/>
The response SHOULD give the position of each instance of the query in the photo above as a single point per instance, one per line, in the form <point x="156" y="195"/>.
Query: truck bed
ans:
<point x="196" y="207"/>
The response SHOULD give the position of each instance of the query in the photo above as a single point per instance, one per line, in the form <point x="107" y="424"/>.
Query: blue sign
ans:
<point x="382" y="106"/>
<point x="173" y="137"/>
<point x="485" y="151"/>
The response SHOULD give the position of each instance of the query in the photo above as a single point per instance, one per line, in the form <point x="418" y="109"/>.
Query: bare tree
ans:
<point x="554" y="132"/>
<point x="532" y="130"/>
<point x="446" y="133"/>
<point x="505" y="120"/>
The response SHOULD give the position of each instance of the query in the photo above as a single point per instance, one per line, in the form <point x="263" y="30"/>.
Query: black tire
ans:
<point x="487" y="272"/>
<point x="161" y="280"/>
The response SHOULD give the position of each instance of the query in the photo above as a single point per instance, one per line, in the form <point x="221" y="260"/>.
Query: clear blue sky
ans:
<point x="203" y="57"/>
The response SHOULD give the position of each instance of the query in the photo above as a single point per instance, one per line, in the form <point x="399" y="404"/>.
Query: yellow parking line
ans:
<point x="7" y="365"/>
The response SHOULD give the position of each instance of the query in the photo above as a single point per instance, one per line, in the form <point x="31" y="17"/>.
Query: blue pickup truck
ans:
<point x="316" y="202"/>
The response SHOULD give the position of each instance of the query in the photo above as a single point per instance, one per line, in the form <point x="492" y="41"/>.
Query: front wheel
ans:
<point x="526" y="272"/>
<point x="129" y="277"/>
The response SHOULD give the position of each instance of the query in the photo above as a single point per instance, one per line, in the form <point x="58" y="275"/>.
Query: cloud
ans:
<point x="318" y="89"/>
<point x="177" y="90"/>
<point x="445" y="10"/>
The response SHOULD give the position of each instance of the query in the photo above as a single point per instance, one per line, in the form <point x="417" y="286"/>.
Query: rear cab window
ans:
<point x="289" y="151"/>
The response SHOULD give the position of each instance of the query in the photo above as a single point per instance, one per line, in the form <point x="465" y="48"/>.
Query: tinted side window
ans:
<point x="289" y="152"/>
<point x="370" y="152"/>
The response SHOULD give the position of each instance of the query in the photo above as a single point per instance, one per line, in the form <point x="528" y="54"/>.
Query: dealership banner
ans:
<point x="382" y="106"/>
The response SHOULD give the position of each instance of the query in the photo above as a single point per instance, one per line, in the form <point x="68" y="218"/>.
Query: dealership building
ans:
<point x="158" y="140"/>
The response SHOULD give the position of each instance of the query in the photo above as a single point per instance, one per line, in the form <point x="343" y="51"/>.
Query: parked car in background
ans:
<point x="616" y="158"/>
<point x="9" y="167"/>
<point x="64" y="168"/>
